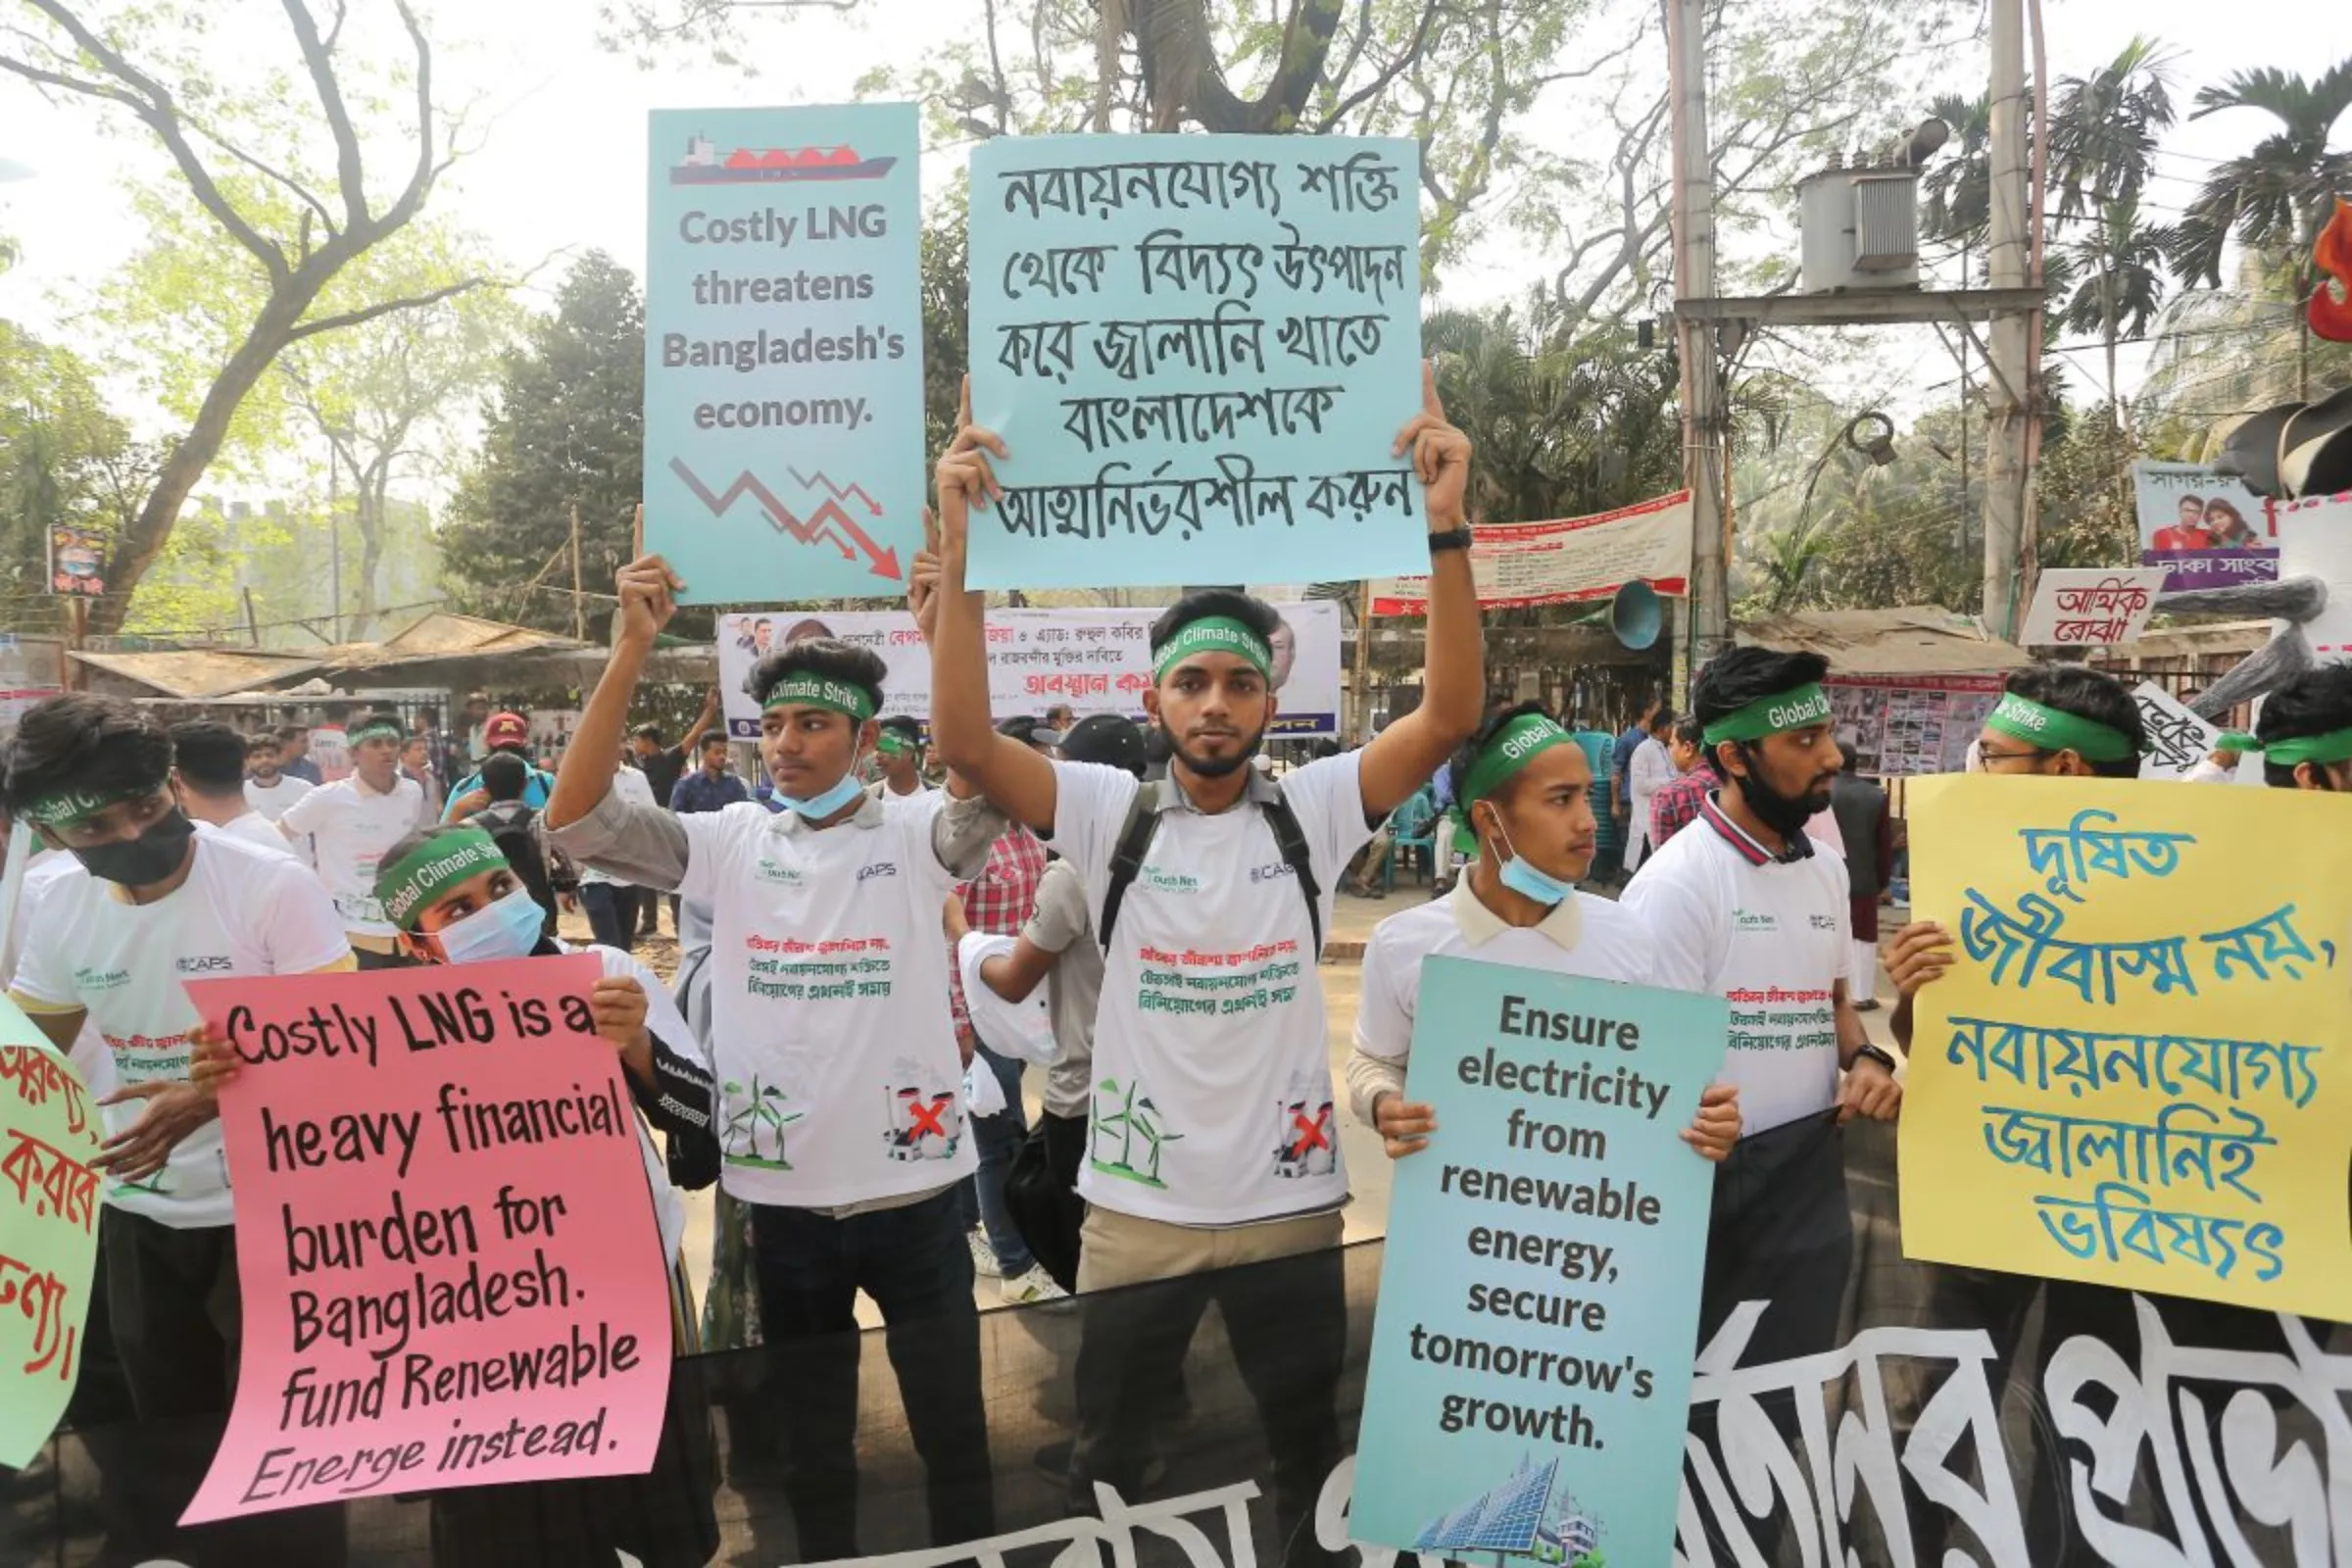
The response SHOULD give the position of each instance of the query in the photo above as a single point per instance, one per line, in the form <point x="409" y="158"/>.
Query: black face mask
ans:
<point x="1777" y="811"/>
<point x="146" y="860"/>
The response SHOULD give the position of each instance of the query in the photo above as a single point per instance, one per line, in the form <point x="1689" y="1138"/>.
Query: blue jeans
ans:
<point x="912" y="1261"/>
<point x="982" y="1197"/>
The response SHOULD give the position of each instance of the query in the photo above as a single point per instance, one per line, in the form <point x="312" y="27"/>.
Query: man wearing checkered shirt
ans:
<point x="999" y="903"/>
<point x="1676" y="807"/>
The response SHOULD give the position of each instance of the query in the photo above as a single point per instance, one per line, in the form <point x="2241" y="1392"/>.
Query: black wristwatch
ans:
<point x="1460" y="538"/>
<point x="1874" y="1053"/>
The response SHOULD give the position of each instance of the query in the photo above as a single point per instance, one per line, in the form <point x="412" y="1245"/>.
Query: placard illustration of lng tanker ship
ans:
<point x="763" y="165"/>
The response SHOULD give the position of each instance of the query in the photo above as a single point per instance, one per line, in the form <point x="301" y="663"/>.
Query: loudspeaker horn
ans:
<point x="1636" y="615"/>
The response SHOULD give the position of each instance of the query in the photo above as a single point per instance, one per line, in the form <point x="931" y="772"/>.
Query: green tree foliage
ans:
<point x="277" y="164"/>
<point x="64" y="459"/>
<point x="947" y="302"/>
<point x="565" y="427"/>
<point x="2275" y="196"/>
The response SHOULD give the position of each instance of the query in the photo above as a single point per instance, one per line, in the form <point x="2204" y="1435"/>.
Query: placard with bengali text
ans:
<point x="49" y="1133"/>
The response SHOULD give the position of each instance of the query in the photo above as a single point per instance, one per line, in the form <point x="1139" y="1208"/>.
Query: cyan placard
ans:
<point x="784" y="351"/>
<point x="1199" y="351"/>
<point x="1539" y="1300"/>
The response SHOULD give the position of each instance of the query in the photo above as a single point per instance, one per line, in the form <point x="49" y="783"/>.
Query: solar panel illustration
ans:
<point x="1505" y="1519"/>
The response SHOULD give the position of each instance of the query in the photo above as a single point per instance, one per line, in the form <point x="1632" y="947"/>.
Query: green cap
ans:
<point x="408" y="886"/>
<point x="1213" y="634"/>
<point x="2039" y="724"/>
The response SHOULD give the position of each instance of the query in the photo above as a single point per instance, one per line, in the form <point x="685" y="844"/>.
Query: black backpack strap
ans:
<point x="1135" y="841"/>
<point x="1292" y="840"/>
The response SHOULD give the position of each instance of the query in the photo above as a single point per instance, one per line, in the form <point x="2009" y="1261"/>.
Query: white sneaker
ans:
<point x="1035" y="1286"/>
<point x="984" y="1257"/>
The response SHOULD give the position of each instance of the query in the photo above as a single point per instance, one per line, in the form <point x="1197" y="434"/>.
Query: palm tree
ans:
<point x="1959" y="187"/>
<point x="2104" y="128"/>
<point x="2275" y="197"/>
<point x="2118" y="281"/>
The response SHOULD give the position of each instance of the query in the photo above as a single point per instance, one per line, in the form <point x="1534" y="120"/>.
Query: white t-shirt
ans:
<point x="1773" y="938"/>
<point x="839" y="1081"/>
<point x="89" y="1055"/>
<point x="666" y="1023"/>
<point x="636" y="789"/>
<point x="1213" y="1093"/>
<point x="254" y="828"/>
<point x="274" y="800"/>
<point x="1588" y="937"/>
<point x="350" y="827"/>
<point x="330" y="752"/>
<point x="242" y="911"/>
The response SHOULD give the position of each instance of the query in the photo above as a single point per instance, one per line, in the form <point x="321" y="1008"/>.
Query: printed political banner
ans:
<point x="447" y="1247"/>
<point x="1094" y="661"/>
<point x="2091" y="606"/>
<point x="2135" y="1072"/>
<point x="49" y="1134"/>
<point x="1199" y="351"/>
<point x="1518" y="564"/>
<point x="1531" y="1357"/>
<point x="784" y="351"/>
<point x="2205" y="530"/>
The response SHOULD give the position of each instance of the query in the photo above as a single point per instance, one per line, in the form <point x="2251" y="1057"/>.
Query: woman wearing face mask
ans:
<point x="457" y="900"/>
<point x="1525" y="789"/>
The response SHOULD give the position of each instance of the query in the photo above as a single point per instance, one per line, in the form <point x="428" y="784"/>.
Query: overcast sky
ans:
<point x="561" y="124"/>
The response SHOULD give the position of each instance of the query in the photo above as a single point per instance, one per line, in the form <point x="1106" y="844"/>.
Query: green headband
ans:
<point x="374" y="728"/>
<point x="890" y="743"/>
<point x="409" y="885"/>
<point x="1213" y="634"/>
<point x="2039" y="724"/>
<point x="2334" y="746"/>
<point x="72" y="804"/>
<point x="1507" y="750"/>
<point x="1801" y="707"/>
<point x="802" y="688"/>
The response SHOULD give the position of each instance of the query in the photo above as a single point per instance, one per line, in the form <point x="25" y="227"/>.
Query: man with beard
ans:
<point x="268" y="789"/>
<point x="2304" y="732"/>
<point x="1742" y="904"/>
<point x="1213" y="1138"/>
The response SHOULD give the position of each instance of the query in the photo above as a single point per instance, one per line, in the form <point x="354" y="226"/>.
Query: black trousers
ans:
<point x="913" y="1261"/>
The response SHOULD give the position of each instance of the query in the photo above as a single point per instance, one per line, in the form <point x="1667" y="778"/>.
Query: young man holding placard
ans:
<point x="346" y="826"/>
<point x="1742" y="904"/>
<point x="1213" y="1139"/>
<point x="840" y="1114"/>
<point x="1528" y="790"/>
<point x="154" y="900"/>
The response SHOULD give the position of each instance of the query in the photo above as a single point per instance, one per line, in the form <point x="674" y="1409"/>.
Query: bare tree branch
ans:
<point x="350" y="172"/>
<point x="369" y="312"/>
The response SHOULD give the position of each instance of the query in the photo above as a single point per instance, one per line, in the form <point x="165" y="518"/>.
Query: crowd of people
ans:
<point x="977" y="862"/>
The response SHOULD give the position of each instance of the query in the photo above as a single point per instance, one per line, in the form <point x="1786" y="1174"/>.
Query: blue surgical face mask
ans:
<point x="507" y="929"/>
<point x="844" y="790"/>
<point x="1524" y="880"/>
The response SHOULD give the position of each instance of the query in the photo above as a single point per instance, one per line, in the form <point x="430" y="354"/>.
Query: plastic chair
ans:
<point x="1412" y="827"/>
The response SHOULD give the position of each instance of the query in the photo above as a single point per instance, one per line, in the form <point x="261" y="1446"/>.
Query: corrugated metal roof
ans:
<point x="445" y="634"/>
<point x="1908" y="640"/>
<point x="193" y="674"/>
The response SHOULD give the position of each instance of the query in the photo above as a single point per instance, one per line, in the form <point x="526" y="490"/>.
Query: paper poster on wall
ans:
<point x="451" y="1268"/>
<point x="49" y="1133"/>
<point x="1556" y="1192"/>
<point x="1090" y="660"/>
<point x="1199" y="351"/>
<point x="784" y="351"/>
<point x="1906" y="725"/>
<point x="2134" y="1074"/>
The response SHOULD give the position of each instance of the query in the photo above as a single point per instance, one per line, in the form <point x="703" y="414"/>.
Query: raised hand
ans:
<point x="967" y="481"/>
<point x="647" y="591"/>
<point x="1441" y="456"/>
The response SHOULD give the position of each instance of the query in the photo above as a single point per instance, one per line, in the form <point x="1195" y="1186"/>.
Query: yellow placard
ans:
<point x="2138" y="1070"/>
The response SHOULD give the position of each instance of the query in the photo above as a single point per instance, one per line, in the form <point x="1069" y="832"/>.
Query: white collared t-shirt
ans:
<point x="839" y="1080"/>
<point x="1727" y="918"/>
<point x="350" y="826"/>
<point x="243" y="910"/>
<point x="273" y="801"/>
<point x="1588" y="937"/>
<point x="1213" y="1094"/>
<point x="665" y="1023"/>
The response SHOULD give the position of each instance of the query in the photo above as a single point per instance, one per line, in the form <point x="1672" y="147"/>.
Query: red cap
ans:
<point x="507" y="729"/>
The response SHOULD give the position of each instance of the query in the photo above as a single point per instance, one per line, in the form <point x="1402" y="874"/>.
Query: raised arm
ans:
<point x="690" y="742"/>
<point x="963" y="732"/>
<point x="585" y="775"/>
<point x="1402" y="756"/>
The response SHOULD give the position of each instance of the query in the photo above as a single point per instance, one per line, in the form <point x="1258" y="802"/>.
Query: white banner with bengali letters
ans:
<point x="1564" y="560"/>
<point x="1093" y="660"/>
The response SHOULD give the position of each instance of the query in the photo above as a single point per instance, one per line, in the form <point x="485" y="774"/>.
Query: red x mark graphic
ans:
<point x="927" y="1117"/>
<point x="1310" y="1133"/>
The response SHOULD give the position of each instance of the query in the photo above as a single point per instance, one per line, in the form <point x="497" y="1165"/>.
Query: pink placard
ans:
<point x="451" y="1267"/>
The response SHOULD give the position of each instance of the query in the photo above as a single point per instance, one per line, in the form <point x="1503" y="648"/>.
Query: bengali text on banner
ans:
<point x="1557" y="563"/>
<point x="49" y="1134"/>
<point x="1199" y="351"/>
<point x="451" y="1266"/>
<point x="2134" y="1074"/>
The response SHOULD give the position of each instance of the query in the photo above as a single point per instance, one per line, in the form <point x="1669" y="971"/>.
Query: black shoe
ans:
<point x="1871" y="1005"/>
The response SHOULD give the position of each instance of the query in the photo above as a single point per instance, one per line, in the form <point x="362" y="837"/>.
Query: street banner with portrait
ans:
<point x="2136" y="1071"/>
<point x="1089" y="661"/>
<point x="2205" y="529"/>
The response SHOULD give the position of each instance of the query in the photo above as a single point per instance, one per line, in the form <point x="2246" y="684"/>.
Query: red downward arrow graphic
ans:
<point x="827" y="522"/>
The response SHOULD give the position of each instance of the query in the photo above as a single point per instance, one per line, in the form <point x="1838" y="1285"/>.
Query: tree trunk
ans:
<point x="367" y="511"/>
<point x="1183" y="79"/>
<point x="143" y="541"/>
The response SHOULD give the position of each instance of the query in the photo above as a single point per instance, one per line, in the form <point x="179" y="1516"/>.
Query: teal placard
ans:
<point x="1199" y="351"/>
<point x="784" y="351"/>
<point x="1539" y="1300"/>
